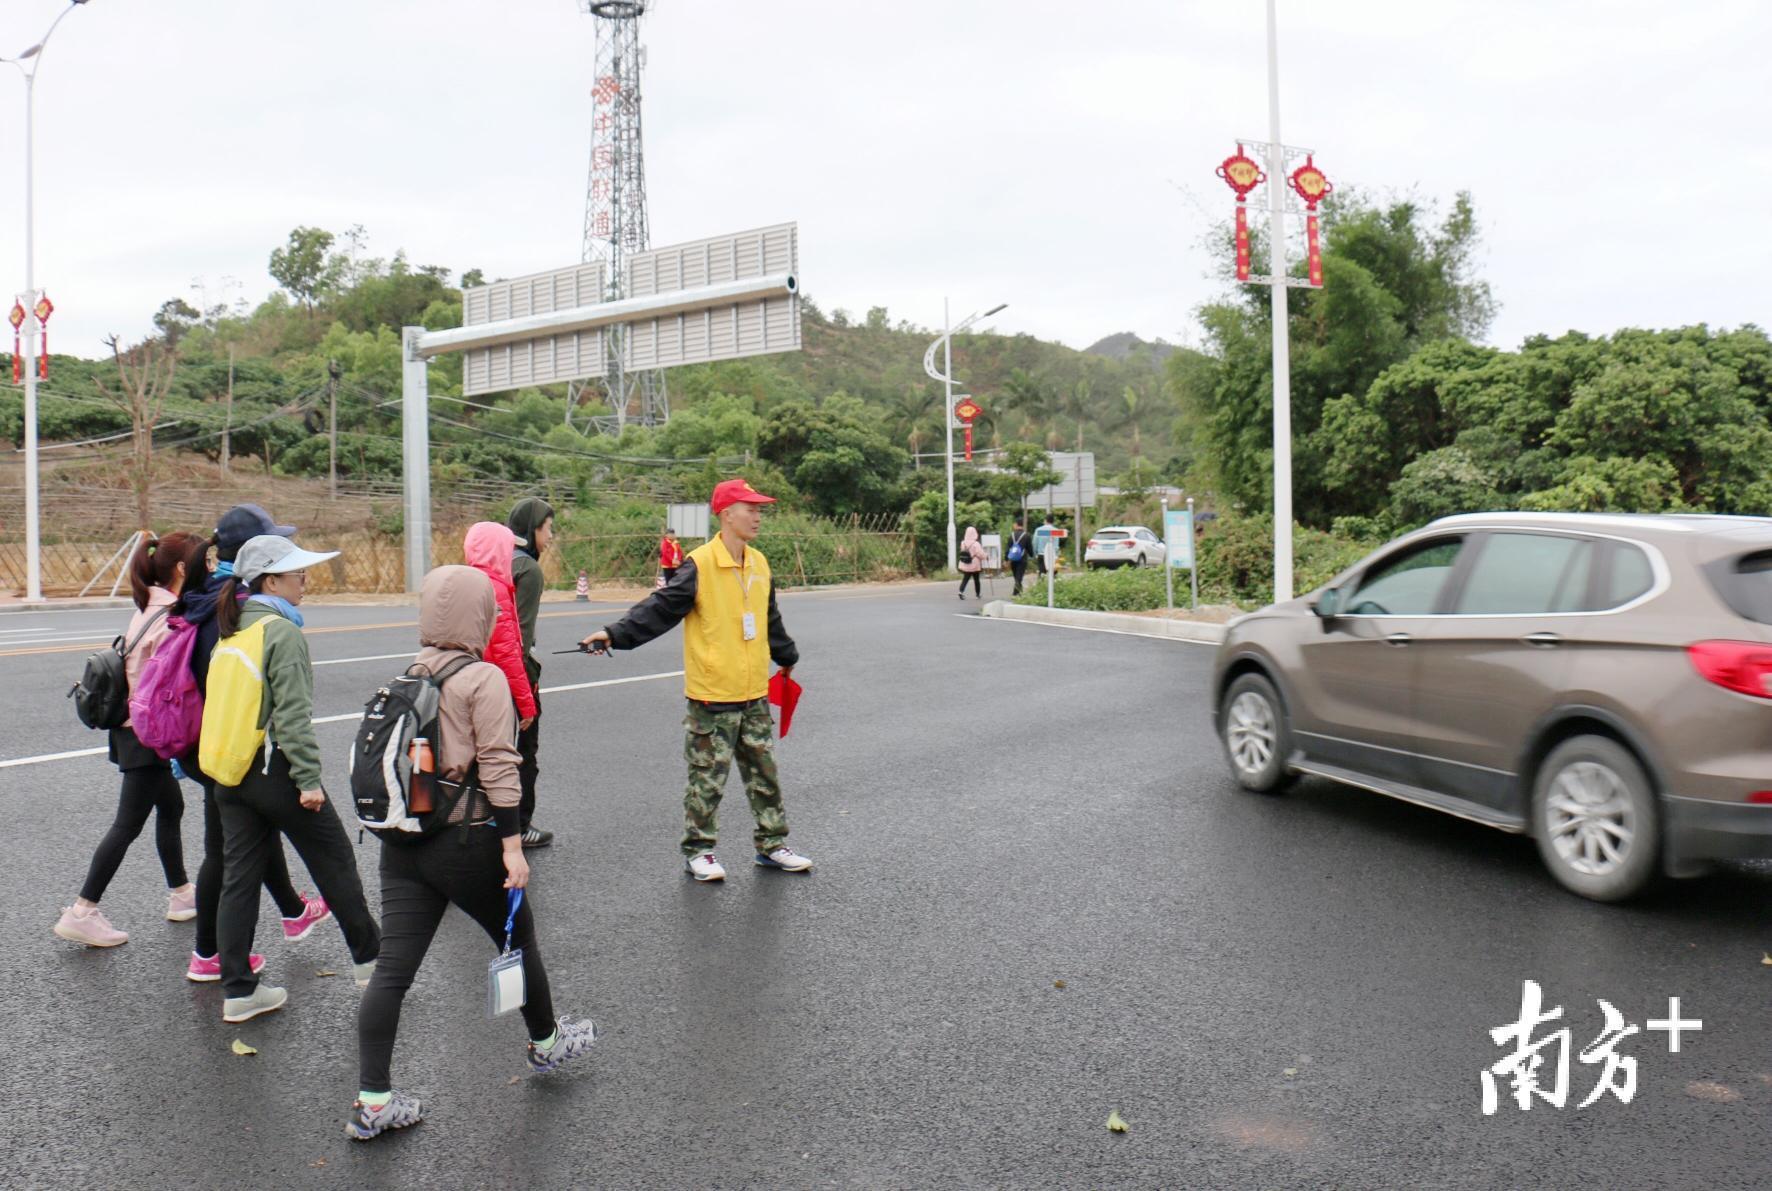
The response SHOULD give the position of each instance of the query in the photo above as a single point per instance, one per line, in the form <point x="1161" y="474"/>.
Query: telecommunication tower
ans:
<point x="615" y="214"/>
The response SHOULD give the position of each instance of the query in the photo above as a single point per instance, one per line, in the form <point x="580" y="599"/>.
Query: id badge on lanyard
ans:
<point x="750" y="618"/>
<point x="505" y="991"/>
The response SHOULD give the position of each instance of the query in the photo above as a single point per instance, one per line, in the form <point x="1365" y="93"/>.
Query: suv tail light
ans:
<point x="1091" y="543"/>
<point x="1741" y="666"/>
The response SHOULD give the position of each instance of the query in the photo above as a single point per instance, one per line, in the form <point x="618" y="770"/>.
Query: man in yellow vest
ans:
<point x="724" y="597"/>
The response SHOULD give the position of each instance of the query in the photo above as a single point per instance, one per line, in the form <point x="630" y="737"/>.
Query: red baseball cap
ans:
<point x="732" y="492"/>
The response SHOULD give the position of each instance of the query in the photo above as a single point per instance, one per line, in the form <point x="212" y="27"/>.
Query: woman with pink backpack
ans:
<point x="157" y="574"/>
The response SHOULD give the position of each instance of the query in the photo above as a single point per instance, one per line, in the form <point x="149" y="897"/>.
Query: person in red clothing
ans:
<point x="488" y="549"/>
<point x="670" y="555"/>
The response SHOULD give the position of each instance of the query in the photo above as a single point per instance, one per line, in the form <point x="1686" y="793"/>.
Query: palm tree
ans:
<point x="913" y="413"/>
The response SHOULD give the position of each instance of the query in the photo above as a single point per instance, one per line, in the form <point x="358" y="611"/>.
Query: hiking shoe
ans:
<point x="362" y="972"/>
<point x="264" y="999"/>
<point x="366" y="1122"/>
<point x="535" y="837"/>
<point x="314" y="912"/>
<point x="207" y="969"/>
<point x="786" y="859"/>
<point x="705" y="868"/>
<point x="571" y="1040"/>
<point x="181" y="907"/>
<point x="90" y="927"/>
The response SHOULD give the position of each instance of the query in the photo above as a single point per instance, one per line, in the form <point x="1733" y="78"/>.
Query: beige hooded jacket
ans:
<point x="456" y="610"/>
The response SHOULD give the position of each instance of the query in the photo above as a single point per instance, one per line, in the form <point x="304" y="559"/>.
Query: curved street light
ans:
<point x="33" y="531"/>
<point x="946" y="377"/>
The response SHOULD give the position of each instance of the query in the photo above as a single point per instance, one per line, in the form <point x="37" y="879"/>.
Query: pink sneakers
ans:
<point x="300" y="927"/>
<point x="208" y="970"/>
<point x="90" y="927"/>
<point x="181" y="904"/>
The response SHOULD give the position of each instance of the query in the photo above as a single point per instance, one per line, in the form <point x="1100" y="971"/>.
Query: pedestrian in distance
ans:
<point x="724" y="596"/>
<point x="491" y="548"/>
<point x="532" y="521"/>
<point x="1021" y="544"/>
<point x="259" y="709"/>
<point x="670" y="555"/>
<point x="157" y="573"/>
<point x="972" y="558"/>
<point x="300" y="912"/>
<point x="473" y="866"/>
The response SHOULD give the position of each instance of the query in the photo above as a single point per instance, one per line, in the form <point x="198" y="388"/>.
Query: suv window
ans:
<point x="1110" y="535"/>
<point x="1631" y="576"/>
<point x="1406" y="584"/>
<point x="1524" y="573"/>
<point x="1745" y="584"/>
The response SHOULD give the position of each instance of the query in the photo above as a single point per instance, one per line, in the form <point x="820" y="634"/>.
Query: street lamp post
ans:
<point x="33" y="532"/>
<point x="946" y="377"/>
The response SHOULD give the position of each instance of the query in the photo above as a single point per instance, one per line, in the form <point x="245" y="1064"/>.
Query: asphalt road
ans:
<point x="1271" y="992"/>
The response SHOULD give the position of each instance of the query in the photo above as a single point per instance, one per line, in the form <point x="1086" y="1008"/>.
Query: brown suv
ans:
<point x="1601" y="682"/>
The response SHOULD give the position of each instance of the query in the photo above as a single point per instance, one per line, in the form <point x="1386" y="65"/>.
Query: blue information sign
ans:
<point x="1178" y="538"/>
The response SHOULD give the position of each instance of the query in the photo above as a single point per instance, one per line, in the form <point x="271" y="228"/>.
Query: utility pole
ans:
<point x="1276" y="172"/>
<point x="332" y="375"/>
<point x="228" y="416"/>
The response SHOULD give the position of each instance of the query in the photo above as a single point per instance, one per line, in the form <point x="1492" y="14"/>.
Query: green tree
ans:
<point x="302" y="266"/>
<point x="835" y="453"/>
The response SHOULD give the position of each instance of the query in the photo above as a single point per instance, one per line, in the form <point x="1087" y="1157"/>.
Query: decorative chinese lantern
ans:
<point x="1312" y="187"/>
<point x="968" y="410"/>
<point x="1242" y="175"/>
<point x="17" y="319"/>
<point x="44" y="309"/>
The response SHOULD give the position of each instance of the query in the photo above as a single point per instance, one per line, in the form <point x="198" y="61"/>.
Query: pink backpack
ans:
<point x="165" y="708"/>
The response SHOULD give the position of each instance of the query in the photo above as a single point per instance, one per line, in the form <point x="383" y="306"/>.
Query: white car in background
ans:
<point x="1123" y="546"/>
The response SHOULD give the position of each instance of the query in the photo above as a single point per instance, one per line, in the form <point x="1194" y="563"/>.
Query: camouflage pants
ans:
<point x="713" y="740"/>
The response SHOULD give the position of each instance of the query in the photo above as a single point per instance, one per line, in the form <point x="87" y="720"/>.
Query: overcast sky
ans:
<point x="1057" y="156"/>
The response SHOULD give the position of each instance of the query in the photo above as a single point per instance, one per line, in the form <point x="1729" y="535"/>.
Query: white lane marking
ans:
<point x="97" y="640"/>
<point x="1079" y="628"/>
<point x="374" y="657"/>
<point x="354" y="715"/>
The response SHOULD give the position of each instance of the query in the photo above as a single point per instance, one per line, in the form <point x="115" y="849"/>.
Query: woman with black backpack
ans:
<point x="472" y="858"/>
<point x="157" y="573"/>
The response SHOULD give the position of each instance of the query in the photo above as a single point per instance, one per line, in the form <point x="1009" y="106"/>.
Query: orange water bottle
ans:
<point x="421" y="795"/>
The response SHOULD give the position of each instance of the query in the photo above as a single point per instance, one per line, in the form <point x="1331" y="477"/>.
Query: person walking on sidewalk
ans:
<point x="281" y="794"/>
<point x="471" y="867"/>
<point x="972" y="558"/>
<point x="1021" y="544"/>
<point x="670" y="555"/>
<point x="300" y="912"/>
<point x="532" y="520"/>
<point x="157" y="572"/>
<point x="724" y="596"/>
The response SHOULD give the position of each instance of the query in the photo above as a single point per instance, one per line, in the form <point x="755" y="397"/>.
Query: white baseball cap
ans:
<point x="269" y="554"/>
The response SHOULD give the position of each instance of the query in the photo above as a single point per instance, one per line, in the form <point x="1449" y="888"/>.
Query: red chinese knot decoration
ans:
<point x="1313" y="187"/>
<point x="17" y="319"/>
<point x="968" y="411"/>
<point x="43" y="310"/>
<point x="1242" y="175"/>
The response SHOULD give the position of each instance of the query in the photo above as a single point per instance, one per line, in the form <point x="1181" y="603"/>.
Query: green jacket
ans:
<point x="288" y="709"/>
<point x="527" y="577"/>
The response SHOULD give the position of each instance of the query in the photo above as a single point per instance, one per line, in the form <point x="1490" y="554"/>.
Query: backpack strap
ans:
<point x="158" y="615"/>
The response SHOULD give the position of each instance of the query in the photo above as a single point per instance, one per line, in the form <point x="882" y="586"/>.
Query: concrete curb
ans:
<point x="1114" y="622"/>
<point x="67" y="605"/>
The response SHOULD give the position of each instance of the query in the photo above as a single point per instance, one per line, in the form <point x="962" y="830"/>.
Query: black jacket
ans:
<point x="665" y="609"/>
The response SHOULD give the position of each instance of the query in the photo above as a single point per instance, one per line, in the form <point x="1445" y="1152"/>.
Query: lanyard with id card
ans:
<point x="505" y="991"/>
<point x="750" y="618"/>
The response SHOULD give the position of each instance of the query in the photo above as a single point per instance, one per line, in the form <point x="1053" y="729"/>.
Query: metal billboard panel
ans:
<point x="578" y="355"/>
<point x="751" y="328"/>
<point x="1076" y="472"/>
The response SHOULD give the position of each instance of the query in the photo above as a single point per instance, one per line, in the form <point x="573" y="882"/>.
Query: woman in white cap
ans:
<point x="281" y="792"/>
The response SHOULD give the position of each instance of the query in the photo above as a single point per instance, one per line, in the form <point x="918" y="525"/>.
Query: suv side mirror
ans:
<point x="1326" y="605"/>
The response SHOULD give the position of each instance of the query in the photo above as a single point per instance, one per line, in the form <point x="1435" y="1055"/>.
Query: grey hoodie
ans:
<point x="456" y="609"/>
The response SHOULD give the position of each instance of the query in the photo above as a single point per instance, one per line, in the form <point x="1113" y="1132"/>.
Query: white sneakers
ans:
<point x="705" y="868"/>
<point x="786" y="859"/>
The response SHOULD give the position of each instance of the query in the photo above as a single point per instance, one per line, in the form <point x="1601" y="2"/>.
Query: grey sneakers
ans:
<point x="264" y="999"/>
<point x="571" y="1040"/>
<point x="366" y="1122"/>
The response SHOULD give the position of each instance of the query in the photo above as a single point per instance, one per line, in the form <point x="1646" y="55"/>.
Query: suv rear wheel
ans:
<point x="1254" y="733"/>
<point x="1595" y="818"/>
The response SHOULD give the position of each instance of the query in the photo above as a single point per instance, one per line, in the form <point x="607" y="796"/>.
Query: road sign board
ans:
<point x="751" y="328"/>
<point x="1178" y="538"/>
<point x="1075" y="470"/>
<point x="574" y="355"/>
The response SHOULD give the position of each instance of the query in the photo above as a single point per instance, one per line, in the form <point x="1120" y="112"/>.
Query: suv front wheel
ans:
<point x="1595" y="818"/>
<point x="1254" y="733"/>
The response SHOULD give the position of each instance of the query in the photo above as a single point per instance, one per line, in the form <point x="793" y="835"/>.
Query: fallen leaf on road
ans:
<point x="1716" y="1093"/>
<point x="1058" y="984"/>
<point x="325" y="972"/>
<point x="317" y="1163"/>
<point x="1289" y="1072"/>
<point x="515" y="1079"/>
<point x="1115" y="1124"/>
<point x="1765" y="960"/>
<point x="240" y="1048"/>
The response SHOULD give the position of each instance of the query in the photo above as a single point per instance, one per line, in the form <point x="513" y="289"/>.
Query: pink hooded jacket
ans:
<point x="487" y="549"/>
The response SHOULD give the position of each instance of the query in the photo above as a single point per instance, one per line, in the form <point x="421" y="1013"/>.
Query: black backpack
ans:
<point x="381" y="764"/>
<point x="101" y="697"/>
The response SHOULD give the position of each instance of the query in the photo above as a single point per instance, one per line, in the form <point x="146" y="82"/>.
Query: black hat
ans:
<point x="242" y="523"/>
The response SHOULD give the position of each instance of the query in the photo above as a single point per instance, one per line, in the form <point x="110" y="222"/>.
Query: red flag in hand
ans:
<point x="784" y="692"/>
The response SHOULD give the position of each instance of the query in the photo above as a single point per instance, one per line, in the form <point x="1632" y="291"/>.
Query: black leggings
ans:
<point x="419" y="882"/>
<point x="1020" y="570"/>
<point x="528" y="750"/>
<point x="209" y="874"/>
<point x="972" y="578"/>
<point x="149" y="790"/>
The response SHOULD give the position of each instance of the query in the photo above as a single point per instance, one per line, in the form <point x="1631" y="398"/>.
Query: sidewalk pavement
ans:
<point x="1111" y="622"/>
